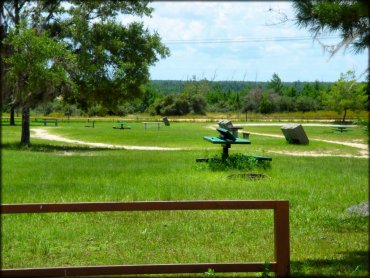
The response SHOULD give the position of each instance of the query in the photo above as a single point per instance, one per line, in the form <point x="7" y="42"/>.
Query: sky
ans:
<point x="242" y="41"/>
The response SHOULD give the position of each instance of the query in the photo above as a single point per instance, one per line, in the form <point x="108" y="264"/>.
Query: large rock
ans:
<point x="294" y="134"/>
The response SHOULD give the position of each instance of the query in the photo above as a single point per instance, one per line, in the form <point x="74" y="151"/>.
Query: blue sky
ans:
<point x="242" y="40"/>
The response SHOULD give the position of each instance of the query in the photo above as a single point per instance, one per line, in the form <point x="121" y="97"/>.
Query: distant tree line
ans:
<point x="199" y="97"/>
<point x="202" y="96"/>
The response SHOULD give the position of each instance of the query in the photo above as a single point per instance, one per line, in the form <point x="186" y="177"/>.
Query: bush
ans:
<point x="236" y="161"/>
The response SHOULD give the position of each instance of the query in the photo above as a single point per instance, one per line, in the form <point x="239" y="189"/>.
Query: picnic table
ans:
<point x="341" y="128"/>
<point x="226" y="139"/>
<point x="93" y="123"/>
<point x="46" y="121"/>
<point x="122" y="125"/>
<point x="154" y="123"/>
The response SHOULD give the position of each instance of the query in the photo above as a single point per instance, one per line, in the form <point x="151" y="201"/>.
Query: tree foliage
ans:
<point x="346" y="94"/>
<point x="349" y="18"/>
<point x="38" y="68"/>
<point x="37" y="71"/>
<point x="275" y="84"/>
<point x="111" y="60"/>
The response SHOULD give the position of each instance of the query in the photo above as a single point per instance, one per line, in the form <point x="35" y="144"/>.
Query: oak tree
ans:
<point x="112" y="60"/>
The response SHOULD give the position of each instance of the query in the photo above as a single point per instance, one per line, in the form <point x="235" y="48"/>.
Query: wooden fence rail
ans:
<point x="281" y="265"/>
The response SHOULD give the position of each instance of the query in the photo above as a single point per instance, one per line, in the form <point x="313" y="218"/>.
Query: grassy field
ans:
<point x="325" y="238"/>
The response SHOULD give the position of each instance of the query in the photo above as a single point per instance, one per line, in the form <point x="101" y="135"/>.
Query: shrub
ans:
<point x="236" y="161"/>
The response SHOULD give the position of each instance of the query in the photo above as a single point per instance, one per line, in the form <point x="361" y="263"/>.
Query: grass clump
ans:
<point x="236" y="162"/>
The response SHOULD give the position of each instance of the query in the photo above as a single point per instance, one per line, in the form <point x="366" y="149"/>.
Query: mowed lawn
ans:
<point x="325" y="238"/>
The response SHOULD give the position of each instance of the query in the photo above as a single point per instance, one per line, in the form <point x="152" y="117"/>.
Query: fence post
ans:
<point x="282" y="247"/>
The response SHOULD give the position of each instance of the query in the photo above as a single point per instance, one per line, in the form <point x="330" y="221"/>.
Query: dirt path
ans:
<point x="43" y="134"/>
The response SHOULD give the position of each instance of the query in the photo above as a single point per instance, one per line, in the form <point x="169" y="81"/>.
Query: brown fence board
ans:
<point x="135" y="269"/>
<point x="137" y="206"/>
<point x="281" y="237"/>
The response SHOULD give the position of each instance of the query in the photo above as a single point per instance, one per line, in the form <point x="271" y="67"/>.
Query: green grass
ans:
<point x="325" y="239"/>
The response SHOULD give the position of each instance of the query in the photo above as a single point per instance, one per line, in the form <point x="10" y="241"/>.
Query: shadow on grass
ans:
<point x="352" y="264"/>
<point x="50" y="148"/>
<point x="351" y="223"/>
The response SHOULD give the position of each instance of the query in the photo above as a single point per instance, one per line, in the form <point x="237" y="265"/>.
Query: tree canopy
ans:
<point x="111" y="60"/>
<point x="349" y="18"/>
<point x="346" y="94"/>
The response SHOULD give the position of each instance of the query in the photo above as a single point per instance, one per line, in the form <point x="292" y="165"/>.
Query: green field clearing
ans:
<point x="325" y="238"/>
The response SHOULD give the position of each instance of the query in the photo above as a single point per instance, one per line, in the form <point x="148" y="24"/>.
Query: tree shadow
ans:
<point x="51" y="148"/>
<point x="352" y="264"/>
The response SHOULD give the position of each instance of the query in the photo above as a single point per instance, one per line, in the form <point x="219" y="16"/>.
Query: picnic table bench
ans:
<point x="122" y="125"/>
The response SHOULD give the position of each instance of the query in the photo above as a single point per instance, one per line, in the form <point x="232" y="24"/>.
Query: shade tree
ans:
<point x="112" y="60"/>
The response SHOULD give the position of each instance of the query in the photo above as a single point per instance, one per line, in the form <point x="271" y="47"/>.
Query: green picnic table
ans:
<point x="226" y="139"/>
<point x="122" y="125"/>
<point x="341" y="128"/>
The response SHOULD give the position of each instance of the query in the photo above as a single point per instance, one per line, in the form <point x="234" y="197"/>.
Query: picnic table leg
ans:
<point x="225" y="151"/>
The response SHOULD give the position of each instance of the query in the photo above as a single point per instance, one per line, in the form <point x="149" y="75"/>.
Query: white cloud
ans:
<point x="206" y="20"/>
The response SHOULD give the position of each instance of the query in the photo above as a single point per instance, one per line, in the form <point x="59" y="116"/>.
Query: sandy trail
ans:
<point x="43" y="134"/>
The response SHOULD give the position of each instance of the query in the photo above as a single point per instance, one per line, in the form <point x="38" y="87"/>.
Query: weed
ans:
<point x="266" y="270"/>
<point x="237" y="162"/>
<point x="210" y="273"/>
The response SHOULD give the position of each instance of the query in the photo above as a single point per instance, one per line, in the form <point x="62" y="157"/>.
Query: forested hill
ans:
<point x="177" y="86"/>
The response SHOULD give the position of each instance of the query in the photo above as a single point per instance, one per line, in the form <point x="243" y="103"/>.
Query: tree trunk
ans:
<point x="25" y="139"/>
<point x="11" y="119"/>
<point x="344" y="116"/>
<point x="2" y="54"/>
